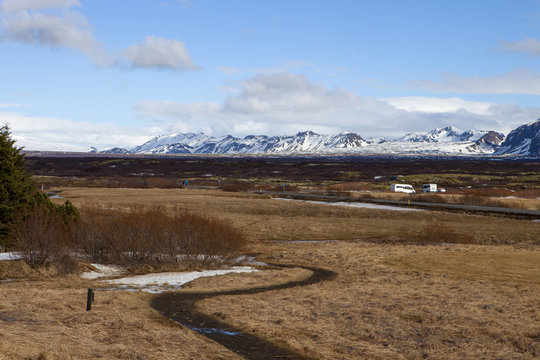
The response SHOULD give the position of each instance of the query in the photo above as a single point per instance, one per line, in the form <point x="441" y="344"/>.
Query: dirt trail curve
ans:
<point x="181" y="307"/>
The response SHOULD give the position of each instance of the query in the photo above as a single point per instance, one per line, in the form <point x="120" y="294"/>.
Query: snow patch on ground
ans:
<point x="103" y="271"/>
<point x="357" y="205"/>
<point x="157" y="283"/>
<point x="244" y="259"/>
<point x="9" y="256"/>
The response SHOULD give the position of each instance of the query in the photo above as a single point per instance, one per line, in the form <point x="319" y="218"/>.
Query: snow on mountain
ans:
<point x="524" y="141"/>
<point x="448" y="140"/>
<point x="32" y="144"/>
<point x="446" y="134"/>
<point x="303" y="142"/>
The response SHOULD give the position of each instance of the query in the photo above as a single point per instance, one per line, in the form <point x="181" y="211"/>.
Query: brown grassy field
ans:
<point x="263" y="219"/>
<point x="394" y="298"/>
<point x="400" y="302"/>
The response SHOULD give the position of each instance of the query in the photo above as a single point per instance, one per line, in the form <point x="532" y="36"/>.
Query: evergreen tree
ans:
<point x="16" y="186"/>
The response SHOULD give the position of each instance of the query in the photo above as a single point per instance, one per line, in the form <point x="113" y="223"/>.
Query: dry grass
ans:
<point x="504" y="264"/>
<point x="436" y="232"/>
<point x="389" y="301"/>
<point x="466" y="197"/>
<point x="400" y="302"/>
<point x="263" y="219"/>
<point x="48" y="320"/>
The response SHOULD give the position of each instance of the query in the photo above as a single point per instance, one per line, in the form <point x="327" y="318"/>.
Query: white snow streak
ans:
<point x="356" y="205"/>
<point x="157" y="283"/>
<point x="9" y="256"/>
<point x="103" y="271"/>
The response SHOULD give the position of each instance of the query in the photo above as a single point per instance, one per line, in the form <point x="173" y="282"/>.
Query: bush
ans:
<point x="236" y="186"/>
<point x="161" y="183"/>
<point x="66" y="264"/>
<point x="16" y="187"/>
<point x="41" y="236"/>
<point x="436" y="232"/>
<point x="157" y="238"/>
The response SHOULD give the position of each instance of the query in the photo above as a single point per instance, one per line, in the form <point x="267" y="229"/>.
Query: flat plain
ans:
<point x="397" y="294"/>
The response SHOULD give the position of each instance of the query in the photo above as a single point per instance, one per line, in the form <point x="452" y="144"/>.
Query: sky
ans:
<point x="107" y="73"/>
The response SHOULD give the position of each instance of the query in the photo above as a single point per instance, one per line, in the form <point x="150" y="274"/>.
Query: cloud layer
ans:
<point x="54" y="23"/>
<point x="527" y="46"/>
<point x="518" y="81"/>
<point x="83" y="134"/>
<point x="12" y="6"/>
<point x="278" y="104"/>
<point x="285" y="103"/>
<point x="24" y="21"/>
<point x="156" y="52"/>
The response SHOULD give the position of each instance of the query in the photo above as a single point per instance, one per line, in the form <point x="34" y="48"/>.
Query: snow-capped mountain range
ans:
<point x="303" y="142"/>
<point x="525" y="140"/>
<point x="447" y="141"/>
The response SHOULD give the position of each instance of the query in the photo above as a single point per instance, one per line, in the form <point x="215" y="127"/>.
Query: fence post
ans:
<point x="89" y="299"/>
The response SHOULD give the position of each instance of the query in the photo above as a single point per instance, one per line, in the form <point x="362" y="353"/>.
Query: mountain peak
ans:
<point x="306" y="133"/>
<point x="449" y="140"/>
<point x="525" y="140"/>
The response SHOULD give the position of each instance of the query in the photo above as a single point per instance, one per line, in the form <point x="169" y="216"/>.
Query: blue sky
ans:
<point x="116" y="72"/>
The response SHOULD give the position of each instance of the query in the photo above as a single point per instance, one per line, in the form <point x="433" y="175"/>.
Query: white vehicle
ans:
<point x="429" y="188"/>
<point x="404" y="188"/>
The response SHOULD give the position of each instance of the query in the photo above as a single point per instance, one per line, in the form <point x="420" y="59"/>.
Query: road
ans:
<point x="510" y="212"/>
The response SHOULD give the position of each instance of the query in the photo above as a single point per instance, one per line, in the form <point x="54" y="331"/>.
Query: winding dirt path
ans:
<point x="181" y="308"/>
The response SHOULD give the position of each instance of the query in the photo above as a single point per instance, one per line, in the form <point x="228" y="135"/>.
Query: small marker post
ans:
<point x="89" y="299"/>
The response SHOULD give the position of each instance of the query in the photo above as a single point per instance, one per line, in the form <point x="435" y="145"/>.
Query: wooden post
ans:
<point x="89" y="299"/>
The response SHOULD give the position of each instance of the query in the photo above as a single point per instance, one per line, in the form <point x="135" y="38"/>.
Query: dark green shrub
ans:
<point x="16" y="187"/>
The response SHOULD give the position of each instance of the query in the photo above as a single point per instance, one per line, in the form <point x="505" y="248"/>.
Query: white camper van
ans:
<point x="404" y="188"/>
<point x="429" y="188"/>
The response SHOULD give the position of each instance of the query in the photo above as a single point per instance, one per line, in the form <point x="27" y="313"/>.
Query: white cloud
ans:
<point x="284" y="103"/>
<point x="527" y="46"/>
<point x="25" y="5"/>
<point x="3" y="106"/>
<point x="277" y="105"/>
<point x="174" y="110"/>
<point x="84" y="134"/>
<point x="26" y="21"/>
<point x="53" y="23"/>
<point x="438" y="105"/>
<point x="287" y="93"/>
<point x="229" y="70"/>
<point x="157" y="52"/>
<point x="519" y="81"/>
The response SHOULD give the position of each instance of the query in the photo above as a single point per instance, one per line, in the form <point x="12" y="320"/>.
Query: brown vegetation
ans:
<point x="142" y="238"/>
<point x="437" y="232"/>
<point x="392" y="299"/>
<point x="262" y="219"/>
<point x="156" y="237"/>
<point x="398" y="302"/>
<point x="41" y="237"/>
